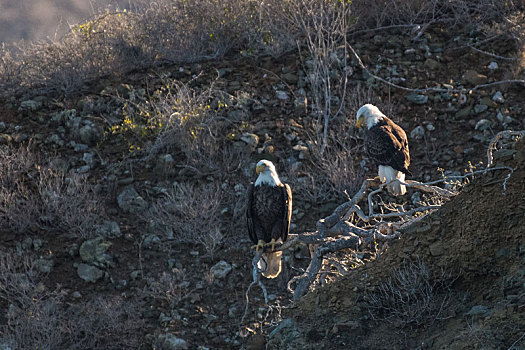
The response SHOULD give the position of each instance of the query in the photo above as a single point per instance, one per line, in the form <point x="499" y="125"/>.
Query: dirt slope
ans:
<point x="474" y="252"/>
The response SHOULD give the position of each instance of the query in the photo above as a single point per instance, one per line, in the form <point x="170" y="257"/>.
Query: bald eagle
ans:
<point x="268" y="214"/>
<point x="387" y="145"/>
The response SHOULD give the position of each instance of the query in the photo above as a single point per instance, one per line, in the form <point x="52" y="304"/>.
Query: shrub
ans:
<point x="40" y="318"/>
<point x="41" y="196"/>
<point x="190" y="214"/>
<point x="412" y="295"/>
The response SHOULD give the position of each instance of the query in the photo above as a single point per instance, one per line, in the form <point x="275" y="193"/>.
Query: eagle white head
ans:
<point x="368" y="114"/>
<point x="267" y="174"/>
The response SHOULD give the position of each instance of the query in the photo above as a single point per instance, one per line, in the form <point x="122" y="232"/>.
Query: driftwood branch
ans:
<point x="336" y="232"/>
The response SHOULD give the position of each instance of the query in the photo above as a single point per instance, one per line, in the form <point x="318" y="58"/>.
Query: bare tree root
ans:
<point x="256" y="275"/>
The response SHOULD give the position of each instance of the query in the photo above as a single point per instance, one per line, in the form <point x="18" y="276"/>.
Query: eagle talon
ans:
<point x="272" y="244"/>
<point x="259" y="245"/>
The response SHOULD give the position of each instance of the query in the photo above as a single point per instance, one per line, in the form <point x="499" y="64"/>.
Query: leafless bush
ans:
<point x="69" y="202"/>
<point x="38" y="317"/>
<point x="324" y="25"/>
<point x="171" y="287"/>
<point x="377" y="13"/>
<point x="192" y="122"/>
<point x="18" y="177"/>
<point x="153" y="33"/>
<point x="411" y="296"/>
<point x="191" y="214"/>
<point x="33" y="195"/>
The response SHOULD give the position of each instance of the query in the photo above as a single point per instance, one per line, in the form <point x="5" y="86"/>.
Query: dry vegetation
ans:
<point x="37" y="196"/>
<point x="40" y="317"/>
<point x="197" y="126"/>
<point x="180" y="31"/>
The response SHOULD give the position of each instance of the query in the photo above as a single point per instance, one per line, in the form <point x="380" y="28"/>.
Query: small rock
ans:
<point x="30" y="105"/>
<point x="83" y="169"/>
<point x="93" y="251"/>
<point x="135" y="274"/>
<point x="250" y="139"/>
<point x="130" y="201"/>
<point x="43" y="265"/>
<point x="281" y="95"/>
<point x="76" y="295"/>
<point x="479" y="310"/>
<point x="432" y="64"/>
<point x="239" y="189"/>
<point x="89" y="273"/>
<point x="487" y="101"/>
<point x="499" y="116"/>
<point x="417" y="133"/>
<point x="89" y="134"/>
<point x="151" y="240"/>
<point x="483" y="124"/>
<point x="37" y="243"/>
<point x="480" y="108"/>
<point x="290" y="78"/>
<point x="436" y="248"/>
<point x="417" y="99"/>
<point x="221" y="269"/>
<point x="171" y="342"/>
<point x="88" y="158"/>
<point x="498" y="97"/>
<point x="493" y="66"/>
<point x="430" y="127"/>
<point x="474" y="77"/>
<point x="463" y="113"/>
<point x="109" y="229"/>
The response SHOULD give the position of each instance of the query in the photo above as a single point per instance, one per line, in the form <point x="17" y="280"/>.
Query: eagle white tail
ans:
<point x="270" y="264"/>
<point x="388" y="174"/>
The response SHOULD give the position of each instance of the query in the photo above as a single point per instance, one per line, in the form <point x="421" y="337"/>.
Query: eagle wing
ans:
<point x="250" y="215"/>
<point x="386" y="143"/>
<point x="268" y="212"/>
<point x="287" y="215"/>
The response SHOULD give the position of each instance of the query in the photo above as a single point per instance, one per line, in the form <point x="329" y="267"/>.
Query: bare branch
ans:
<point x="493" y="55"/>
<point x="256" y="275"/>
<point x="499" y="135"/>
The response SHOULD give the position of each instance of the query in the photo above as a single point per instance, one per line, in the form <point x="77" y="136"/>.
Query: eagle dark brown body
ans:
<point x="386" y="144"/>
<point x="269" y="212"/>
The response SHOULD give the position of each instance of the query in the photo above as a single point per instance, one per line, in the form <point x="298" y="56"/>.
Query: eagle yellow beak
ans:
<point x="260" y="168"/>
<point x="360" y="121"/>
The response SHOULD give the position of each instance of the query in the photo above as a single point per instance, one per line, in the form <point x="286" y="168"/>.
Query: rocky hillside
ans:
<point x="122" y="197"/>
<point x="453" y="281"/>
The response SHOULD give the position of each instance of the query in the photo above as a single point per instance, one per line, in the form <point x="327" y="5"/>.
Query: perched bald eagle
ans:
<point x="268" y="215"/>
<point x="387" y="145"/>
